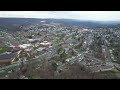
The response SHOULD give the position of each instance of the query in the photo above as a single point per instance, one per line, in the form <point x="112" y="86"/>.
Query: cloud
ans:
<point x="80" y="15"/>
<point x="24" y="14"/>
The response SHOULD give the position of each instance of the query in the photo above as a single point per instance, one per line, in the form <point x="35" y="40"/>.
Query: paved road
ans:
<point x="106" y="49"/>
<point x="93" y="58"/>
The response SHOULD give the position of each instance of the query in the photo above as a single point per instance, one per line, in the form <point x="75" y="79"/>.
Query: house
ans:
<point x="10" y="55"/>
<point x="7" y="58"/>
<point x="13" y="49"/>
<point x="40" y="50"/>
<point x="33" y="40"/>
<point x="9" y="49"/>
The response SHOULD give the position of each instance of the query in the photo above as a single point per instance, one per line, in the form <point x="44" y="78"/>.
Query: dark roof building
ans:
<point x="9" y="49"/>
<point x="7" y="57"/>
<point x="13" y="49"/>
<point x="10" y="54"/>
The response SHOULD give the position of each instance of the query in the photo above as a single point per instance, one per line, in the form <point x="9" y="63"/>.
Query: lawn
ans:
<point x="2" y="49"/>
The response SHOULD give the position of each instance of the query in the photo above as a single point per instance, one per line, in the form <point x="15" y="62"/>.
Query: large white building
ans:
<point x="24" y="46"/>
<point x="45" y="43"/>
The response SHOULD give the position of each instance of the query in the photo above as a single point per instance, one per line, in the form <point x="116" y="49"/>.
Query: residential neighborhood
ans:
<point x="54" y="50"/>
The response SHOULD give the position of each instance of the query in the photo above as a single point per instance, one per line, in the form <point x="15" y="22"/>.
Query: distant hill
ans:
<point x="113" y="26"/>
<point x="83" y="24"/>
<point x="17" y="23"/>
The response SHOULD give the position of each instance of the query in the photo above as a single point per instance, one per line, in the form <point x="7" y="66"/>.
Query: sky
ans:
<point x="79" y="15"/>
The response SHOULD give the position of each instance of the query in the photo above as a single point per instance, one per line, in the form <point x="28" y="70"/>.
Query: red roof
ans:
<point x="8" y="57"/>
<point x="9" y="48"/>
<point x="17" y="47"/>
<point x="15" y="44"/>
<point x="7" y="60"/>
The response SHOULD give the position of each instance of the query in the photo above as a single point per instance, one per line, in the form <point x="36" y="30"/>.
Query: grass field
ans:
<point x="2" y="49"/>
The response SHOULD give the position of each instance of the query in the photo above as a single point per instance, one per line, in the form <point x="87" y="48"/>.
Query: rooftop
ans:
<point x="6" y="56"/>
<point x="45" y="43"/>
<point x="24" y="45"/>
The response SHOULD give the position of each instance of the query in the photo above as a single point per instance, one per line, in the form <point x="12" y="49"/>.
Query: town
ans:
<point x="59" y="45"/>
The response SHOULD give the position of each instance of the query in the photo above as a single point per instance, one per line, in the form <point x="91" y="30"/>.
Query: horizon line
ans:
<point x="65" y="18"/>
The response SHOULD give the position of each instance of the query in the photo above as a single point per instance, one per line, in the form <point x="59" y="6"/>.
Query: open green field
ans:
<point x="6" y="63"/>
<point x="2" y="49"/>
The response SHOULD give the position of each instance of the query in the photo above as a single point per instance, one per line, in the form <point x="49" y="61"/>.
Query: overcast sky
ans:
<point x="80" y="15"/>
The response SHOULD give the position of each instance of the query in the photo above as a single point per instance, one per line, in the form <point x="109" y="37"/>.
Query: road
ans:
<point x="106" y="48"/>
<point x="92" y="58"/>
